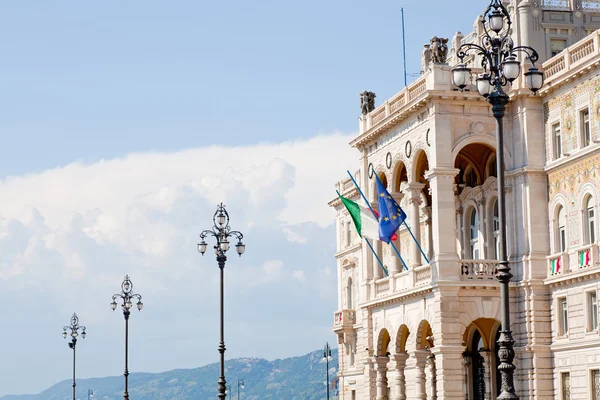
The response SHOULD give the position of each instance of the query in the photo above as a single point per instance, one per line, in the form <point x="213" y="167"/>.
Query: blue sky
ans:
<point x="123" y="124"/>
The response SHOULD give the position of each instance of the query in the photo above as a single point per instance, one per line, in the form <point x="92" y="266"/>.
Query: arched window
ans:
<point x="496" y="231"/>
<point x="350" y="295"/>
<point x="590" y="220"/>
<point x="470" y="177"/>
<point x="561" y="231"/>
<point x="478" y="367"/>
<point x="474" y="235"/>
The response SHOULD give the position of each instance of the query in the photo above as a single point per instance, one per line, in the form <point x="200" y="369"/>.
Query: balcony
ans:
<point x="478" y="270"/>
<point x="572" y="261"/>
<point x="344" y="319"/>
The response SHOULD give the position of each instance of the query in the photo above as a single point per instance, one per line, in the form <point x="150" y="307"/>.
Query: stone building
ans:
<point x="430" y="331"/>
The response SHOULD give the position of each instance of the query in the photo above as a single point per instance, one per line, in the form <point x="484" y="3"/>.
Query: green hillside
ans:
<point x="297" y="378"/>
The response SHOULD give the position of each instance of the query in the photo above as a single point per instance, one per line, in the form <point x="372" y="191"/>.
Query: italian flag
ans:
<point x="555" y="266"/>
<point x="584" y="258"/>
<point x="365" y="222"/>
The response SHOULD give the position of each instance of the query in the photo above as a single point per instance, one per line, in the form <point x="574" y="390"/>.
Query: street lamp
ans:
<point x="74" y="328"/>
<point x="90" y="394"/>
<point x="240" y="385"/>
<point x="228" y="391"/>
<point x="500" y="64"/>
<point x="126" y="296"/>
<point x="327" y="358"/>
<point x="222" y="232"/>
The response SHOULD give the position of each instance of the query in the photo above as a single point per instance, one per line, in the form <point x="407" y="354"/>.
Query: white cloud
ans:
<point x="68" y="236"/>
<point x="293" y="236"/>
<point x="298" y="275"/>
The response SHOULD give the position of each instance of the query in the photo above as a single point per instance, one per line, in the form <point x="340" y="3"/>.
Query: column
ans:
<point x="399" y="392"/>
<point x="443" y="212"/>
<point x="413" y="214"/>
<point x="429" y="225"/>
<point x="378" y="247"/>
<point x="396" y="262"/>
<point x="381" y="380"/>
<point x="369" y="382"/>
<point x="433" y="377"/>
<point x="483" y="225"/>
<point x="421" y="361"/>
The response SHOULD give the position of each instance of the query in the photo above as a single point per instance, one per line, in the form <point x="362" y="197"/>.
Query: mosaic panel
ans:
<point x="568" y="181"/>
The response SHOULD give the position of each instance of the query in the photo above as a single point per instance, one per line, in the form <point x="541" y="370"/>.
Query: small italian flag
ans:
<point x="364" y="220"/>
<point x="555" y="266"/>
<point x="584" y="258"/>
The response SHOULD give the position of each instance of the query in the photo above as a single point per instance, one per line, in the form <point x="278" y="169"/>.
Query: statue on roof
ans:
<point x="425" y="58"/>
<point x="439" y="50"/>
<point x="367" y="102"/>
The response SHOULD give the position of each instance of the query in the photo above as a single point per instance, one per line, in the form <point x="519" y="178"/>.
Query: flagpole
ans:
<point x="405" y="224"/>
<point x="375" y="215"/>
<point x="371" y="247"/>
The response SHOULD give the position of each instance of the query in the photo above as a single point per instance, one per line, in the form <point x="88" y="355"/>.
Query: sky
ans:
<point x="123" y="125"/>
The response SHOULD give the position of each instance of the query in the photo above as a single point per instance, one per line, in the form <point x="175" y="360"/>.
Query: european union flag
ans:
<point x="391" y="215"/>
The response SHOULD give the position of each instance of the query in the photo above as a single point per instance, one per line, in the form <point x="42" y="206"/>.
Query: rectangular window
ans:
<point x="565" y="379"/>
<point x="595" y="381"/>
<point x="563" y="316"/>
<point x="591" y="225"/>
<point x="562" y="233"/>
<point x="584" y="118"/>
<point x="592" y="311"/>
<point x="557" y="45"/>
<point x="557" y="141"/>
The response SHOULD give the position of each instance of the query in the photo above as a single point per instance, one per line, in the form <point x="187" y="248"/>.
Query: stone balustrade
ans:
<point x="344" y="318"/>
<point x="573" y="260"/>
<point x="478" y="269"/>
<point x="571" y="58"/>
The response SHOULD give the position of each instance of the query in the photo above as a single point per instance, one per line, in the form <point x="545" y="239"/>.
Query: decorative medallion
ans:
<point x="408" y="149"/>
<point x="371" y="169"/>
<point x="569" y="124"/>
<point x="427" y="137"/>
<point x="388" y="160"/>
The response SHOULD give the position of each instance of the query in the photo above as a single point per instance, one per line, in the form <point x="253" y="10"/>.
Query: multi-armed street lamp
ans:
<point x="501" y="66"/>
<point x="327" y="358"/>
<point x="222" y="232"/>
<point x="240" y="385"/>
<point x="74" y="328"/>
<point x="126" y="296"/>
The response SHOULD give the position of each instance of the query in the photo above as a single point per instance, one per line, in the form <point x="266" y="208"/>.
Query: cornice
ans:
<point x="582" y="275"/>
<point x="397" y="298"/>
<point x="350" y="194"/>
<point x="348" y="250"/>
<point x="407" y="111"/>
<point x="579" y="155"/>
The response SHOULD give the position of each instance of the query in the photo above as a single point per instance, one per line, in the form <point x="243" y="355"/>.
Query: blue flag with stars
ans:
<point x="391" y="215"/>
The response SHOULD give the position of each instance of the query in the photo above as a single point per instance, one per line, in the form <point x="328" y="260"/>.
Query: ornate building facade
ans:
<point x="429" y="331"/>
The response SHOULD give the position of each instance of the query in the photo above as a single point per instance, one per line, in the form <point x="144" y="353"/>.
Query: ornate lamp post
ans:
<point x="326" y="358"/>
<point x="500" y="64"/>
<point x="74" y="328"/>
<point x="222" y="232"/>
<point x="126" y="296"/>
<point x="90" y="394"/>
<point x="240" y="385"/>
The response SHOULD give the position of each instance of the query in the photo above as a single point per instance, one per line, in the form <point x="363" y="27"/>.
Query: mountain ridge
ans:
<point x="293" y="378"/>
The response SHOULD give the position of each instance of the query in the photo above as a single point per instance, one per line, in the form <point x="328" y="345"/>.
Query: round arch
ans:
<point x="402" y="338"/>
<point x="487" y="140"/>
<point x="383" y="342"/>
<point x="399" y="175"/>
<point x="424" y="337"/>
